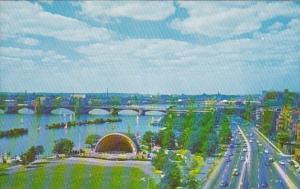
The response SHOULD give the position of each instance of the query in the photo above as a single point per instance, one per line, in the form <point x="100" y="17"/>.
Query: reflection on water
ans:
<point x="39" y="135"/>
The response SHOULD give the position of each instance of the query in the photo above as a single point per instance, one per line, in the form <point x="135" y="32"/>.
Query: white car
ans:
<point x="244" y="150"/>
<point x="266" y="151"/>
<point x="281" y="162"/>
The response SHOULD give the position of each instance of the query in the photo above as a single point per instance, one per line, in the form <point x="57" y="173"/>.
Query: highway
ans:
<point x="254" y="157"/>
<point x="266" y="171"/>
<point x="233" y="159"/>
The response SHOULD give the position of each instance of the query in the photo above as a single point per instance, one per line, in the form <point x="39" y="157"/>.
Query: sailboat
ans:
<point x="66" y="126"/>
<point x="155" y="122"/>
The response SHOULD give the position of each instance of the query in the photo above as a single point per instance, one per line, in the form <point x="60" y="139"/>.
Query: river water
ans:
<point x="38" y="134"/>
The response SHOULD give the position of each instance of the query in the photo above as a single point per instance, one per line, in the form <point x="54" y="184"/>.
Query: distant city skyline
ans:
<point x="150" y="47"/>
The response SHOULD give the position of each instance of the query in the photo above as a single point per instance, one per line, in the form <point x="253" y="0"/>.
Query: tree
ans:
<point x="159" y="160"/>
<point x="191" y="182"/>
<point x="30" y="155"/>
<point x="282" y="137"/>
<point x="92" y="139"/>
<point x="247" y="114"/>
<point x="148" y="138"/>
<point x="225" y="131"/>
<point x="63" y="146"/>
<point x="172" y="176"/>
<point x="39" y="149"/>
<point x="266" y="122"/>
<point x="285" y="119"/>
<point x="167" y="136"/>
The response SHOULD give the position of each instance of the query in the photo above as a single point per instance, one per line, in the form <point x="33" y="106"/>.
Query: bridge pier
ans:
<point x="114" y="111"/>
<point x="46" y="110"/>
<point x="142" y="112"/>
<point x="11" y="110"/>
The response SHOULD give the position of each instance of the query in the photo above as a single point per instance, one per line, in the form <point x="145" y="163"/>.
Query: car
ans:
<point x="235" y="172"/>
<point x="244" y="150"/>
<point x="242" y="158"/>
<point x="250" y="141"/>
<point x="227" y="160"/>
<point x="223" y="183"/>
<point x="266" y="151"/>
<point x="271" y="160"/>
<point x="281" y="162"/>
<point x="263" y="185"/>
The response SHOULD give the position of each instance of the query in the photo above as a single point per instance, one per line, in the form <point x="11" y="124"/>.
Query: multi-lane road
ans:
<point x="256" y="162"/>
<point x="228" y="174"/>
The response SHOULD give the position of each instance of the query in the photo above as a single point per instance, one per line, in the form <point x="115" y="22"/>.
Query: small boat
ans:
<point x="155" y="122"/>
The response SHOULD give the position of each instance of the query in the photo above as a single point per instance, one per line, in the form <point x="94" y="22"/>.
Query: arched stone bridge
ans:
<point x="114" y="110"/>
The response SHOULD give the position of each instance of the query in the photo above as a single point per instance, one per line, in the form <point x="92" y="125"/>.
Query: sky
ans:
<point x="150" y="47"/>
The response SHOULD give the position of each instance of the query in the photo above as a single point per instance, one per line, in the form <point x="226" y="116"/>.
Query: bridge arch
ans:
<point x="99" y="111"/>
<point x="128" y="112"/>
<point x="25" y="111"/>
<point x="155" y="112"/>
<point x="62" y="111"/>
<point x="116" y="143"/>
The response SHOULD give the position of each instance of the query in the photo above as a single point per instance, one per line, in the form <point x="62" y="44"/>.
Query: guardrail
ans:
<point x="273" y="145"/>
<point x="247" y="162"/>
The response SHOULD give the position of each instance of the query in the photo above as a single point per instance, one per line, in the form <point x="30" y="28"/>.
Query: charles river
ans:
<point x="38" y="134"/>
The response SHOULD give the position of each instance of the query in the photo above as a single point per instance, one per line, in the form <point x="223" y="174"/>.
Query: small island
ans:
<point x="13" y="132"/>
<point x="82" y="123"/>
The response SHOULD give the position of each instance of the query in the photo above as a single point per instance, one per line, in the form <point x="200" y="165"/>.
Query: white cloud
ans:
<point x="20" y="56"/>
<point x="231" y="65"/>
<point x="30" y="18"/>
<point x="220" y="19"/>
<point x="275" y="27"/>
<point x="28" y="41"/>
<point x="146" y="10"/>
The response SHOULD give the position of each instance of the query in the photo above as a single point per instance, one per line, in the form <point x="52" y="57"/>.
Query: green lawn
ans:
<point x="77" y="176"/>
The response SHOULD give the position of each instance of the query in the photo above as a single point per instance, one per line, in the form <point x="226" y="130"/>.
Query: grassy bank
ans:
<point x="77" y="176"/>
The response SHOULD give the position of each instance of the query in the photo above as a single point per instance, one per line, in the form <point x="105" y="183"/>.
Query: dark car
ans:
<point x="263" y="185"/>
<point x="223" y="183"/>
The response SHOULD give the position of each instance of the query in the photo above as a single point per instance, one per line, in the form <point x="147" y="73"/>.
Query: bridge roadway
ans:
<point x="114" y="110"/>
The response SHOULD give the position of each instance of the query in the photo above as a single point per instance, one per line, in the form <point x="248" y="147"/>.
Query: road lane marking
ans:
<point x="247" y="159"/>
<point x="286" y="179"/>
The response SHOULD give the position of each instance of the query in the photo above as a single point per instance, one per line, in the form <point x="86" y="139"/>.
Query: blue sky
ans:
<point x="150" y="47"/>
